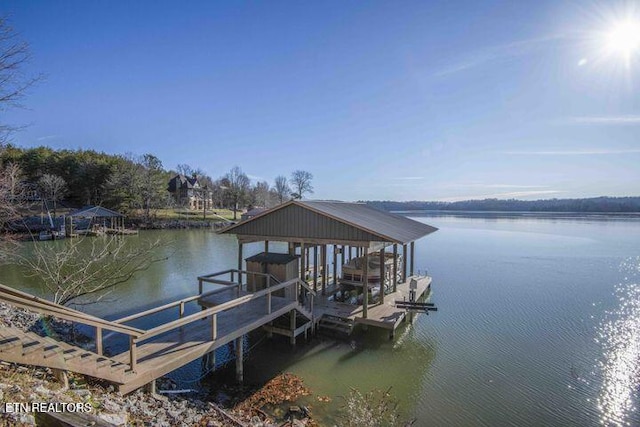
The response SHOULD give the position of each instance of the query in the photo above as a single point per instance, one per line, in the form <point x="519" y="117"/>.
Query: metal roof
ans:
<point x="95" y="212"/>
<point x="329" y="221"/>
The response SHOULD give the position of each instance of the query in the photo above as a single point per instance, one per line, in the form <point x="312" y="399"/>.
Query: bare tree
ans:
<point x="84" y="272"/>
<point x="14" y="54"/>
<point x="184" y="169"/>
<point x="262" y="194"/>
<point x="11" y="193"/>
<point x="237" y="183"/>
<point x="301" y="182"/>
<point x="52" y="188"/>
<point x="281" y="188"/>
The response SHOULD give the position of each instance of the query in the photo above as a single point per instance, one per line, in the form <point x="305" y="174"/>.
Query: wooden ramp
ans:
<point x="228" y="313"/>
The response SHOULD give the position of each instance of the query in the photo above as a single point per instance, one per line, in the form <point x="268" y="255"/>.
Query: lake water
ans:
<point x="538" y="324"/>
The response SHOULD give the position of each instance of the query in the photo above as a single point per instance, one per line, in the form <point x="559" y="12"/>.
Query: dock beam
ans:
<point x="365" y="284"/>
<point x="413" y="245"/>
<point x="335" y="265"/>
<point x="382" y="274"/>
<point x="239" y="360"/>
<point x="292" y="324"/>
<point x="395" y="267"/>
<point x="323" y="255"/>
<point x="404" y="263"/>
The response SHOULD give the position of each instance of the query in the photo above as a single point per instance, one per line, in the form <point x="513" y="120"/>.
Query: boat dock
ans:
<point x="272" y="293"/>
<point x="343" y="317"/>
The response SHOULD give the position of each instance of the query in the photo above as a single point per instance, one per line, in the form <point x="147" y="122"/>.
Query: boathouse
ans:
<point x="240" y="301"/>
<point x="319" y="230"/>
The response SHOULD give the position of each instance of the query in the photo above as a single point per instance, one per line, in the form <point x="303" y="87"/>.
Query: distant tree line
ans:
<point x="595" y="204"/>
<point x="129" y="183"/>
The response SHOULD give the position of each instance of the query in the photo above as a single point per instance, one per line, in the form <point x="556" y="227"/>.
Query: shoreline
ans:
<point x="25" y="384"/>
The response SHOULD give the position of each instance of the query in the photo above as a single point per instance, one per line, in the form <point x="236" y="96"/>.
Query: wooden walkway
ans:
<point x="162" y="354"/>
<point x="385" y="316"/>
<point x="228" y="313"/>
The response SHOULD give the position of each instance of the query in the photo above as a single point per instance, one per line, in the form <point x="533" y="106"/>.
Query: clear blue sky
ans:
<point x="410" y="100"/>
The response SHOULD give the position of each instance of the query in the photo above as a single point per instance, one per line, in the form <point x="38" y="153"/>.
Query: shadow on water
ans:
<point x="331" y="366"/>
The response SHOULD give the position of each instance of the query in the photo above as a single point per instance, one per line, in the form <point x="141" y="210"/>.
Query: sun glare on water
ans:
<point x="619" y="366"/>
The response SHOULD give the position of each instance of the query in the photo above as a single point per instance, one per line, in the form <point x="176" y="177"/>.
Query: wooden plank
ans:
<point x="163" y="355"/>
<point x="61" y="313"/>
<point x="69" y="419"/>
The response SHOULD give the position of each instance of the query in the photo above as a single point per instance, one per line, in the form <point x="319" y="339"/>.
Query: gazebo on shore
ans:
<point x="100" y="217"/>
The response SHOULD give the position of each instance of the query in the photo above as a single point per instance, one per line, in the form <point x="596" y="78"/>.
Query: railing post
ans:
<point x="269" y="303"/>
<point x="199" y="286"/>
<point x="214" y="326"/>
<point x="99" y="340"/>
<point x="182" y="308"/>
<point x="133" y="353"/>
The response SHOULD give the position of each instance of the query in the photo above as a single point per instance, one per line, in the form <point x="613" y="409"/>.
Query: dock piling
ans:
<point x="239" y="360"/>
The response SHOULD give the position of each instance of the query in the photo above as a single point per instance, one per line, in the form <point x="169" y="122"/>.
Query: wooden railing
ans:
<point x="212" y="312"/>
<point x="136" y="336"/>
<point x="48" y="308"/>
<point x="217" y="278"/>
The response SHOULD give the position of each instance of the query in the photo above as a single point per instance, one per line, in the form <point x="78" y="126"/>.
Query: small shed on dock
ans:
<point x="281" y="266"/>
<point x="348" y="227"/>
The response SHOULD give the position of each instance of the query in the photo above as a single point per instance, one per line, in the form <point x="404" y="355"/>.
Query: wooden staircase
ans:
<point x="28" y="348"/>
<point x="336" y="324"/>
<point x="161" y="349"/>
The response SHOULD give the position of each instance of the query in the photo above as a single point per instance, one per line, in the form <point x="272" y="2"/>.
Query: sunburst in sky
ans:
<point x="522" y="99"/>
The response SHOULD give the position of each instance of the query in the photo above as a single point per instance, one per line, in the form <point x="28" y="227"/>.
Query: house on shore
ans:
<point x="189" y="193"/>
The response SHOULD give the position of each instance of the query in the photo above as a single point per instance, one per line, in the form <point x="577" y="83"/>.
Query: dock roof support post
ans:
<point x="292" y="325"/>
<point x="342" y="253"/>
<point x="99" y="340"/>
<point x="413" y="246"/>
<point x="350" y="253"/>
<point x="266" y="246"/>
<point x="239" y="360"/>
<point x="240" y="264"/>
<point x="404" y="263"/>
<point x="395" y="267"/>
<point x="324" y="269"/>
<point x="382" y="275"/>
<point x="335" y="265"/>
<point x="315" y="268"/>
<point x="303" y="275"/>
<point x="365" y="284"/>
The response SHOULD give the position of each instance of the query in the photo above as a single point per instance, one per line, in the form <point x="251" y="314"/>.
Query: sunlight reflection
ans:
<point x="619" y="335"/>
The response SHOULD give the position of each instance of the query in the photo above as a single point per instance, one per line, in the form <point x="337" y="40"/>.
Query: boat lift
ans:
<point x="412" y="305"/>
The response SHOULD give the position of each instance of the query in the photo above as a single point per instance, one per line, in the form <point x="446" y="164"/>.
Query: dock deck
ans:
<point x="385" y="316"/>
<point x="165" y="353"/>
<point x="227" y="314"/>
